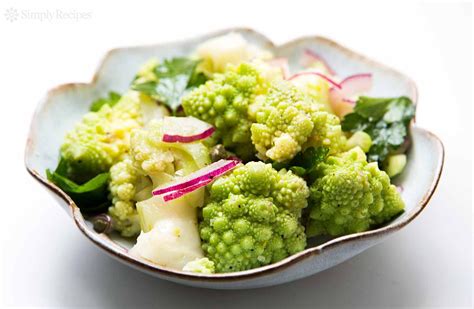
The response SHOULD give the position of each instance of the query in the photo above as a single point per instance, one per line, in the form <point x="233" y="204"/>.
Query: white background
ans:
<point x="46" y="261"/>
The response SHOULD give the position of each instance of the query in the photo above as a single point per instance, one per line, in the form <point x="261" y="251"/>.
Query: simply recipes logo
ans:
<point x="46" y="15"/>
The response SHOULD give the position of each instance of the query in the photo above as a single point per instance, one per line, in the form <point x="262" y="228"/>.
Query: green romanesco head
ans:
<point x="200" y="266"/>
<point x="351" y="195"/>
<point x="252" y="218"/>
<point x="288" y="121"/>
<point x="150" y="163"/>
<point x="101" y="138"/>
<point x="163" y="161"/>
<point x="126" y="182"/>
<point x="224" y="102"/>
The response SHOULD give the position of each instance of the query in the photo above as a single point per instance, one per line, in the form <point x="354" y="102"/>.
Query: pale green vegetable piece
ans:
<point x="173" y="240"/>
<point x="395" y="164"/>
<point x="361" y="139"/>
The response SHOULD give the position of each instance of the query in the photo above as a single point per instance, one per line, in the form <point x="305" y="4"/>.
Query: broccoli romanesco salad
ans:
<point x="230" y="158"/>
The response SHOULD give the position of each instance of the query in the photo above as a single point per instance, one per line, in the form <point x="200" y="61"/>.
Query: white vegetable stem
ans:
<point x="173" y="240"/>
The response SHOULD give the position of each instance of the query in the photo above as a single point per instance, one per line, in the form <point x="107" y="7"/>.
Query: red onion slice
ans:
<point x="356" y="84"/>
<point x="326" y="78"/>
<point x="349" y="101"/>
<point x="185" y="129"/>
<point x="168" y="138"/>
<point x="341" y="99"/>
<point x="310" y="57"/>
<point x="211" y="171"/>
<point x="178" y="193"/>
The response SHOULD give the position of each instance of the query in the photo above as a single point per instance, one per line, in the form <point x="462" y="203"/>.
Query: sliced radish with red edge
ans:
<point x="321" y="75"/>
<point x="185" y="130"/>
<point x="341" y="99"/>
<point x="309" y="57"/>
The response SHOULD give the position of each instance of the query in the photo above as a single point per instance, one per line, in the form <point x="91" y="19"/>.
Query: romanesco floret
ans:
<point x="102" y="137"/>
<point x="252" y="218"/>
<point x="163" y="161"/>
<point x="201" y="266"/>
<point x="224" y="102"/>
<point x="127" y="186"/>
<point x="288" y="121"/>
<point x="351" y="196"/>
<point x="150" y="163"/>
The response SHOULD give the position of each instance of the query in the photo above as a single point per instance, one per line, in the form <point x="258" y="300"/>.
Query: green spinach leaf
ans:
<point x="90" y="196"/>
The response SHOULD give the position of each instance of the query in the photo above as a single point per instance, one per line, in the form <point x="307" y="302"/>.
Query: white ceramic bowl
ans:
<point x="65" y="105"/>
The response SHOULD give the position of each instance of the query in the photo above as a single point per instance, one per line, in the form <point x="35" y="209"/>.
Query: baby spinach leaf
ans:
<point x="386" y="120"/>
<point x="90" y="196"/>
<point x="111" y="100"/>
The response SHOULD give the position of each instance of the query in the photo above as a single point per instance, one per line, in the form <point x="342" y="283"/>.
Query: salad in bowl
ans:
<point x="226" y="160"/>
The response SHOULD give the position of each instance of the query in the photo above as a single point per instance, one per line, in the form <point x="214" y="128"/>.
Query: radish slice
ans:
<point x="178" y="193"/>
<point x="349" y="101"/>
<point x="309" y="57"/>
<point x="341" y="98"/>
<point x="168" y="138"/>
<point x="356" y="84"/>
<point x="185" y="129"/>
<point x="281" y="63"/>
<point x="326" y="78"/>
<point x="211" y="171"/>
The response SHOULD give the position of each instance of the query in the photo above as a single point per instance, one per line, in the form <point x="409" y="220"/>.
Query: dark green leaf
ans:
<point x="377" y="152"/>
<point x="386" y="120"/>
<point x="170" y="68"/>
<point x="310" y="158"/>
<point x="175" y="77"/>
<point x="113" y="98"/>
<point x="148" y="88"/>
<point x="90" y="196"/>
<point x="354" y="122"/>
<point x="400" y="110"/>
<point x="197" y="80"/>
<point x="396" y="134"/>
<point x="298" y="170"/>
<point x="170" y="90"/>
<point x="279" y="165"/>
<point x="305" y="162"/>
<point x="372" y="108"/>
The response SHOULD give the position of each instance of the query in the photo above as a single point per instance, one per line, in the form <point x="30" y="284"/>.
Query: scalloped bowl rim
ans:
<point x="118" y="252"/>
